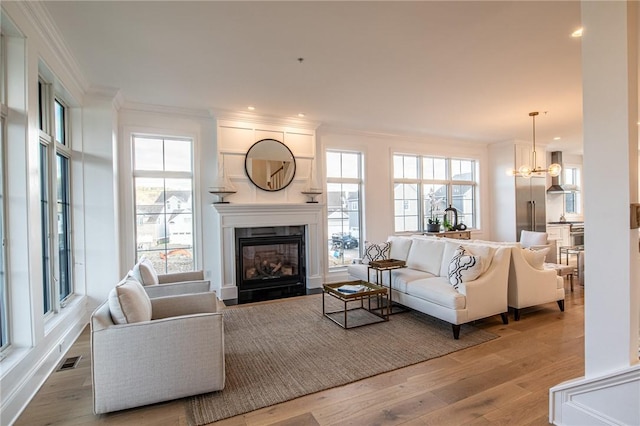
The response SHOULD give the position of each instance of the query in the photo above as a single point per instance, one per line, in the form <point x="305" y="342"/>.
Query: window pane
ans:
<point x="148" y="154"/>
<point x="59" y="113"/>
<point x="64" y="222"/>
<point x="434" y="168"/>
<point x="44" y="237"/>
<point x="405" y="166"/>
<point x="350" y="165"/>
<point x="334" y="164"/>
<point x="177" y="155"/>
<point x="464" y="202"/>
<point x="164" y="222"/>
<point x="462" y="170"/>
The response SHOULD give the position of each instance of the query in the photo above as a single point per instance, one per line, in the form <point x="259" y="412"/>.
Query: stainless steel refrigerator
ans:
<point x="531" y="199"/>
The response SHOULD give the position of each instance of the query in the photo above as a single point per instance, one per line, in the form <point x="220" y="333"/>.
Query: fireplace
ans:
<point x="270" y="262"/>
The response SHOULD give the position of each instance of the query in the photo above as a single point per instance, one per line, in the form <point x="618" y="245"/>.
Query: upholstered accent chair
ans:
<point x="530" y="282"/>
<point x="159" y="285"/>
<point x="145" y="351"/>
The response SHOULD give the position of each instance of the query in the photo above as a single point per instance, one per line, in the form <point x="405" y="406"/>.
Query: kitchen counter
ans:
<point x="568" y="222"/>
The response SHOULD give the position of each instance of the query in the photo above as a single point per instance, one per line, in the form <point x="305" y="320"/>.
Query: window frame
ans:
<point x="56" y="293"/>
<point x="5" y="334"/>
<point x="424" y="210"/>
<point x="358" y="181"/>
<point x="575" y="193"/>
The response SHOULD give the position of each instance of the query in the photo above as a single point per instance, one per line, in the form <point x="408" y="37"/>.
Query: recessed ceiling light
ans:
<point x="251" y="108"/>
<point x="301" y="114"/>
<point x="557" y="138"/>
<point x="577" y="33"/>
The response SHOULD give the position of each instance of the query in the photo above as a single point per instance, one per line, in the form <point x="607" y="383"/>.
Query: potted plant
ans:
<point x="433" y="224"/>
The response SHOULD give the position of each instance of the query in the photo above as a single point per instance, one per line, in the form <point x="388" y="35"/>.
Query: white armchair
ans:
<point x="159" y="285"/>
<point x="530" y="284"/>
<point x="145" y="350"/>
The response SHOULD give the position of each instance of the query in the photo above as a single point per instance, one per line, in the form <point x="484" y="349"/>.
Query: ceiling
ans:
<point x="471" y="70"/>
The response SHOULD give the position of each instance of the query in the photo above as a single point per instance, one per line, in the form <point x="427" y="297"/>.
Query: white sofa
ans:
<point x="145" y="351"/>
<point x="424" y="285"/>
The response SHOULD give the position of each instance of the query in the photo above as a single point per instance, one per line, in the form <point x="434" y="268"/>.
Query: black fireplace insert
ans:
<point x="270" y="263"/>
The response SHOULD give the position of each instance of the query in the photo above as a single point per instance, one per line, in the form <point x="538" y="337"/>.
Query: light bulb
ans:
<point x="525" y="171"/>
<point x="510" y="172"/>
<point x="555" y="169"/>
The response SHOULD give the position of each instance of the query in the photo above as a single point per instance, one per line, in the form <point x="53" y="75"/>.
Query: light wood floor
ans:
<point x="502" y="382"/>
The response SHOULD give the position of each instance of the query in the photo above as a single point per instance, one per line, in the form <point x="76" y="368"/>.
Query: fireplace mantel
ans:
<point x="231" y="216"/>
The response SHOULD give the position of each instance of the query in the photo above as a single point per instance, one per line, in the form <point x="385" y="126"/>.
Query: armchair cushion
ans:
<point x="535" y="257"/>
<point x="129" y="303"/>
<point x="146" y="272"/>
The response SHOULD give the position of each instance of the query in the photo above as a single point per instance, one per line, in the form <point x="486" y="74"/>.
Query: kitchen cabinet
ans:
<point x="561" y="233"/>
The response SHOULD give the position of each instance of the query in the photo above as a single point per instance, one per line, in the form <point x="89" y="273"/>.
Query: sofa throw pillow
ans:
<point x="464" y="267"/>
<point x="129" y="303"/>
<point x="147" y="272"/>
<point x="535" y="257"/>
<point x="373" y="251"/>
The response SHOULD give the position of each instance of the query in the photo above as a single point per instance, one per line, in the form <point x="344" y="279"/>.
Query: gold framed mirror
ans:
<point x="270" y="165"/>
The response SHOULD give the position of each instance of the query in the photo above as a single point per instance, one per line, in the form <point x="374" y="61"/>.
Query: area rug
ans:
<point x="281" y="350"/>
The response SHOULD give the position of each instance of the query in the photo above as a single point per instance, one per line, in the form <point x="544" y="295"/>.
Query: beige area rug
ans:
<point x="282" y="350"/>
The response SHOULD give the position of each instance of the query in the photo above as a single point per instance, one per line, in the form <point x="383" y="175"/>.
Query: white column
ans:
<point x="610" y="391"/>
<point x="610" y="111"/>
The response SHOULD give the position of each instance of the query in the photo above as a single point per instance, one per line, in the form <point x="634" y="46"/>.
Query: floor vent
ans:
<point x="69" y="363"/>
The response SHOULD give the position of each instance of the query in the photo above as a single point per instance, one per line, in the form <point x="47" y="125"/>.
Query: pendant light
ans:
<point x="528" y="170"/>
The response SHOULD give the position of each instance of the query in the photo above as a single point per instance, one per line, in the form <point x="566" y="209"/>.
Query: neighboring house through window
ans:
<point x="163" y="192"/>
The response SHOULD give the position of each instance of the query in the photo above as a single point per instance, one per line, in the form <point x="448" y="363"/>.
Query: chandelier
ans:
<point x="528" y="170"/>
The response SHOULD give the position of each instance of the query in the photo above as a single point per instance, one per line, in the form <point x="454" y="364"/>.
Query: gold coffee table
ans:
<point x="369" y="291"/>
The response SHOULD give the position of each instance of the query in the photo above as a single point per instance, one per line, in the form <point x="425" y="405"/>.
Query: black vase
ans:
<point x="433" y="227"/>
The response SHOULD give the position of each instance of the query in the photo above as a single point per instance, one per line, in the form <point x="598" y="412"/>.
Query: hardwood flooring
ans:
<point x="502" y="382"/>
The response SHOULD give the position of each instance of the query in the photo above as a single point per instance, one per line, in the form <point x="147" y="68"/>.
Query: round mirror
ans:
<point x="270" y="165"/>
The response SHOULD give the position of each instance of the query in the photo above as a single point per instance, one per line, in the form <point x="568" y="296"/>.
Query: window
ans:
<point x="163" y="191"/>
<point x="55" y="154"/>
<point x="344" y="189"/>
<point x="425" y="186"/>
<point x="572" y="200"/>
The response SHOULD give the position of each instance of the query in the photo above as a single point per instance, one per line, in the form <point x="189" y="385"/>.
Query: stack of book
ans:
<point x="351" y="288"/>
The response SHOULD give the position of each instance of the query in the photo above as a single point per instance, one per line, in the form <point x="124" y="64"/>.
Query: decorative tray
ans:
<point x="387" y="263"/>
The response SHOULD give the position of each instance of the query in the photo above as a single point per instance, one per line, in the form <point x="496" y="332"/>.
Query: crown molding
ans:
<point x="221" y="114"/>
<point x="107" y="92"/>
<point x="39" y="17"/>
<point x="163" y="109"/>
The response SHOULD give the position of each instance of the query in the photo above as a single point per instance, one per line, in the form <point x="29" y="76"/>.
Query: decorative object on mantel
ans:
<point x="312" y="189"/>
<point x="222" y="186"/>
<point x="528" y="170"/>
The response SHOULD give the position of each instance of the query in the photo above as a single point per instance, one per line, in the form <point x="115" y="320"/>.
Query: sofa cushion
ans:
<point x="400" y="247"/>
<point x="426" y="255"/>
<point x="464" y="267"/>
<point x="535" y="257"/>
<point x="129" y="303"/>
<point x="373" y="251"/>
<point x="147" y="272"/>
<point x="437" y="290"/>
<point x="484" y="251"/>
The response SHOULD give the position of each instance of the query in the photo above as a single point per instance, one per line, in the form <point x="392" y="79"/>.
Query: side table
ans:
<point x="380" y="267"/>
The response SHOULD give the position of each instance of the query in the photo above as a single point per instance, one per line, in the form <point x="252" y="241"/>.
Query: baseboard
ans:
<point x="608" y="400"/>
<point x="29" y="384"/>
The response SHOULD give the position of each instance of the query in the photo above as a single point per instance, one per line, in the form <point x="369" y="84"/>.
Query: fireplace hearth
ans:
<point x="270" y="262"/>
